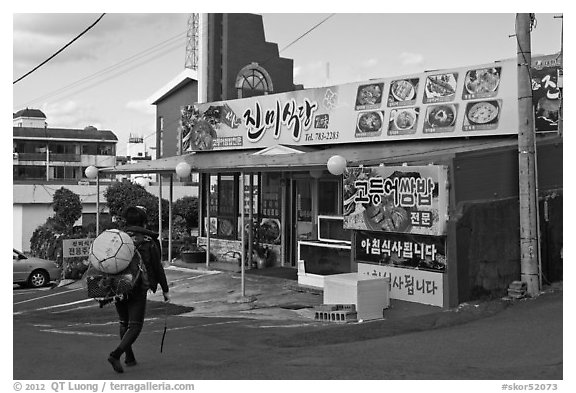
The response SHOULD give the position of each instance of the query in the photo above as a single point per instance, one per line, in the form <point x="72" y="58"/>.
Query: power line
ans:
<point x="299" y="38"/>
<point x="60" y="50"/>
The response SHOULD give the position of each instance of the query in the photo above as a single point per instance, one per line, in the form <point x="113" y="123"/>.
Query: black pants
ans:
<point x="131" y="313"/>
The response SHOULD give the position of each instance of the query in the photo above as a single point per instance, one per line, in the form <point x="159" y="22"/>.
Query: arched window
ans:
<point x="252" y="81"/>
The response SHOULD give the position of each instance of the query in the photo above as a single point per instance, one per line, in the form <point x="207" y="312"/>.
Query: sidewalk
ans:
<point x="274" y="294"/>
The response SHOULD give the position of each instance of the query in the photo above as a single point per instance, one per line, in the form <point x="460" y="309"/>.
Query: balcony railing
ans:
<point x="53" y="157"/>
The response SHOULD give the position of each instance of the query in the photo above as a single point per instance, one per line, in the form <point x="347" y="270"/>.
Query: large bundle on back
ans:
<point x="115" y="266"/>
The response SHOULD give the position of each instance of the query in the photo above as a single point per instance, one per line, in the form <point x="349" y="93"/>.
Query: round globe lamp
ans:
<point x="91" y="172"/>
<point x="336" y="165"/>
<point x="183" y="170"/>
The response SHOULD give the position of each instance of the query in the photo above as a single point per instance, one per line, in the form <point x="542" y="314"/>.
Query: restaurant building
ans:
<point x="412" y="177"/>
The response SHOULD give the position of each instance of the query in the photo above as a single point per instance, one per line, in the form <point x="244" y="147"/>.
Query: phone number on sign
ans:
<point x="323" y="136"/>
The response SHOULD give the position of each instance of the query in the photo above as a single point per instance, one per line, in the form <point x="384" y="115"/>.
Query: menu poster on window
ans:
<point x="271" y="201"/>
<point x="402" y="199"/>
<point x="246" y="198"/>
<point x="402" y="250"/>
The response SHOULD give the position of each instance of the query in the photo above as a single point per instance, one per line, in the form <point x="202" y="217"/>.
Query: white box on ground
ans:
<point x="370" y="295"/>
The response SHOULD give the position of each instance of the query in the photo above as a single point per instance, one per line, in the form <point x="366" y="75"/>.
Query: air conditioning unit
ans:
<point x="15" y="156"/>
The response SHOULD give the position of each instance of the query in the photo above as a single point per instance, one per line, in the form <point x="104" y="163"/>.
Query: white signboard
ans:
<point x="461" y="102"/>
<point x="409" y="284"/>
<point x="76" y="247"/>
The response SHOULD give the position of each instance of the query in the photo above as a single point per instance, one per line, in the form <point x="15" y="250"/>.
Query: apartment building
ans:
<point x="57" y="154"/>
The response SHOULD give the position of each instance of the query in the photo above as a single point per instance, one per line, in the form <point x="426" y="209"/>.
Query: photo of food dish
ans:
<point x="441" y="116"/>
<point x="225" y="227"/>
<point x="270" y="230"/>
<point x="202" y="136"/>
<point x="369" y="95"/>
<point x="387" y="217"/>
<point x="403" y="90"/>
<point x="482" y="81"/>
<point x="482" y="112"/>
<point x="369" y="122"/>
<point x="440" y="86"/>
<point x="405" y="119"/>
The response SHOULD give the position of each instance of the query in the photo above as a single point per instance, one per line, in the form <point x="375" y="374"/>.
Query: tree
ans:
<point x="67" y="207"/>
<point x="187" y="208"/>
<point x="121" y="195"/>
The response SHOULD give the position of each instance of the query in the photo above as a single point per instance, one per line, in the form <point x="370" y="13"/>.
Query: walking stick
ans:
<point x="165" y="326"/>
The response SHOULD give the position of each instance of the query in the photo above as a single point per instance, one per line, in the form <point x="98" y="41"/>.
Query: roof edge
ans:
<point x="187" y="73"/>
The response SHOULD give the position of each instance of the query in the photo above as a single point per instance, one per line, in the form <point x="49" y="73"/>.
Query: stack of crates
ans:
<point x="517" y="290"/>
<point x="336" y="313"/>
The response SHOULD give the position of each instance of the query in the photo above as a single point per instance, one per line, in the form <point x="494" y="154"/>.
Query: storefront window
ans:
<point x="223" y="206"/>
<point x="328" y="197"/>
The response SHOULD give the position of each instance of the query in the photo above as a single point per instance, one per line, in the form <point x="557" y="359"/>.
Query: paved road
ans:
<point x="60" y="335"/>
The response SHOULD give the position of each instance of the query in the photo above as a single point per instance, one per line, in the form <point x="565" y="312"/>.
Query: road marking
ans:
<point x="44" y="297"/>
<point x="195" y="326"/>
<point x="74" y="332"/>
<point x="284" y="326"/>
<point x="192" y="278"/>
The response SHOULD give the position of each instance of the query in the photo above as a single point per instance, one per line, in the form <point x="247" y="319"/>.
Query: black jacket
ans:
<point x="149" y="247"/>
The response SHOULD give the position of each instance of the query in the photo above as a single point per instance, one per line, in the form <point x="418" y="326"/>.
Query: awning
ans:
<point x="411" y="152"/>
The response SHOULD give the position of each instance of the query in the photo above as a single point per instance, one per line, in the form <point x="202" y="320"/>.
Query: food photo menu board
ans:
<point x="477" y="100"/>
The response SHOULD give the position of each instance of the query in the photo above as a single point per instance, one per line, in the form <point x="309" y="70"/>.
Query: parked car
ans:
<point x="35" y="272"/>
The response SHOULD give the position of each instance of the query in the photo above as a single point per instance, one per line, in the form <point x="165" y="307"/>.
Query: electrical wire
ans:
<point x="60" y="50"/>
<point x="109" y="69"/>
<point x="299" y="37"/>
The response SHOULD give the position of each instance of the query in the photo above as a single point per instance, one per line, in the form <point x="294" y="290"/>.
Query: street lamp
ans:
<point x="92" y="173"/>
<point x="336" y="165"/>
<point x="183" y="170"/>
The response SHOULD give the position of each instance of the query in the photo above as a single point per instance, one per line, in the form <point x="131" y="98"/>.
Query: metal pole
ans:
<point x="529" y="264"/>
<point x="207" y="181"/>
<point x="160" y="212"/>
<point x="250" y="218"/>
<point x="47" y="162"/>
<point x="170" y="218"/>
<point x="242" y="236"/>
<point x="97" y="203"/>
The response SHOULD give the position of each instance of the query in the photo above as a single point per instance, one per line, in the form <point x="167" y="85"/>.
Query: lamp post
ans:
<point x="92" y="173"/>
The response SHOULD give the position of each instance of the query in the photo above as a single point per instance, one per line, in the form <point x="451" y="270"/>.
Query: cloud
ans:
<point x="369" y="63"/>
<point x="411" y="59"/>
<point x="38" y="36"/>
<point x="141" y="106"/>
<point x="70" y="114"/>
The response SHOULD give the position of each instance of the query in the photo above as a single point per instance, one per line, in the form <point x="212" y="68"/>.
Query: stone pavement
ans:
<point x="274" y="294"/>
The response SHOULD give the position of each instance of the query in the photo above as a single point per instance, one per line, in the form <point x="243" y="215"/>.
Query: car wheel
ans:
<point x="38" y="279"/>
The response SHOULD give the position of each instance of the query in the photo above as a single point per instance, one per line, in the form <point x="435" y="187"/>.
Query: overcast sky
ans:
<point x="106" y="77"/>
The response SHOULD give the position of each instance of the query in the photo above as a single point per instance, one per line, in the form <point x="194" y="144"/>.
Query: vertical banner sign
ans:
<point x="401" y="199"/>
<point x="546" y="96"/>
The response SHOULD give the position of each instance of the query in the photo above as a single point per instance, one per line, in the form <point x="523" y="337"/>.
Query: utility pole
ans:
<point x="530" y="271"/>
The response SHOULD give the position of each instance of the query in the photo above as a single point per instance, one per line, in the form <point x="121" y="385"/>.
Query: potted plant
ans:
<point x="190" y="252"/>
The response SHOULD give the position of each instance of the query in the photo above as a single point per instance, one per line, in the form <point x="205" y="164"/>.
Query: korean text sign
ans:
<point x="76" y="247"/>
<point x="401" y="199"/>
<point x="409" y="284"/>
<point x="461" y="102"/>
<point x="401" y="249"/>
